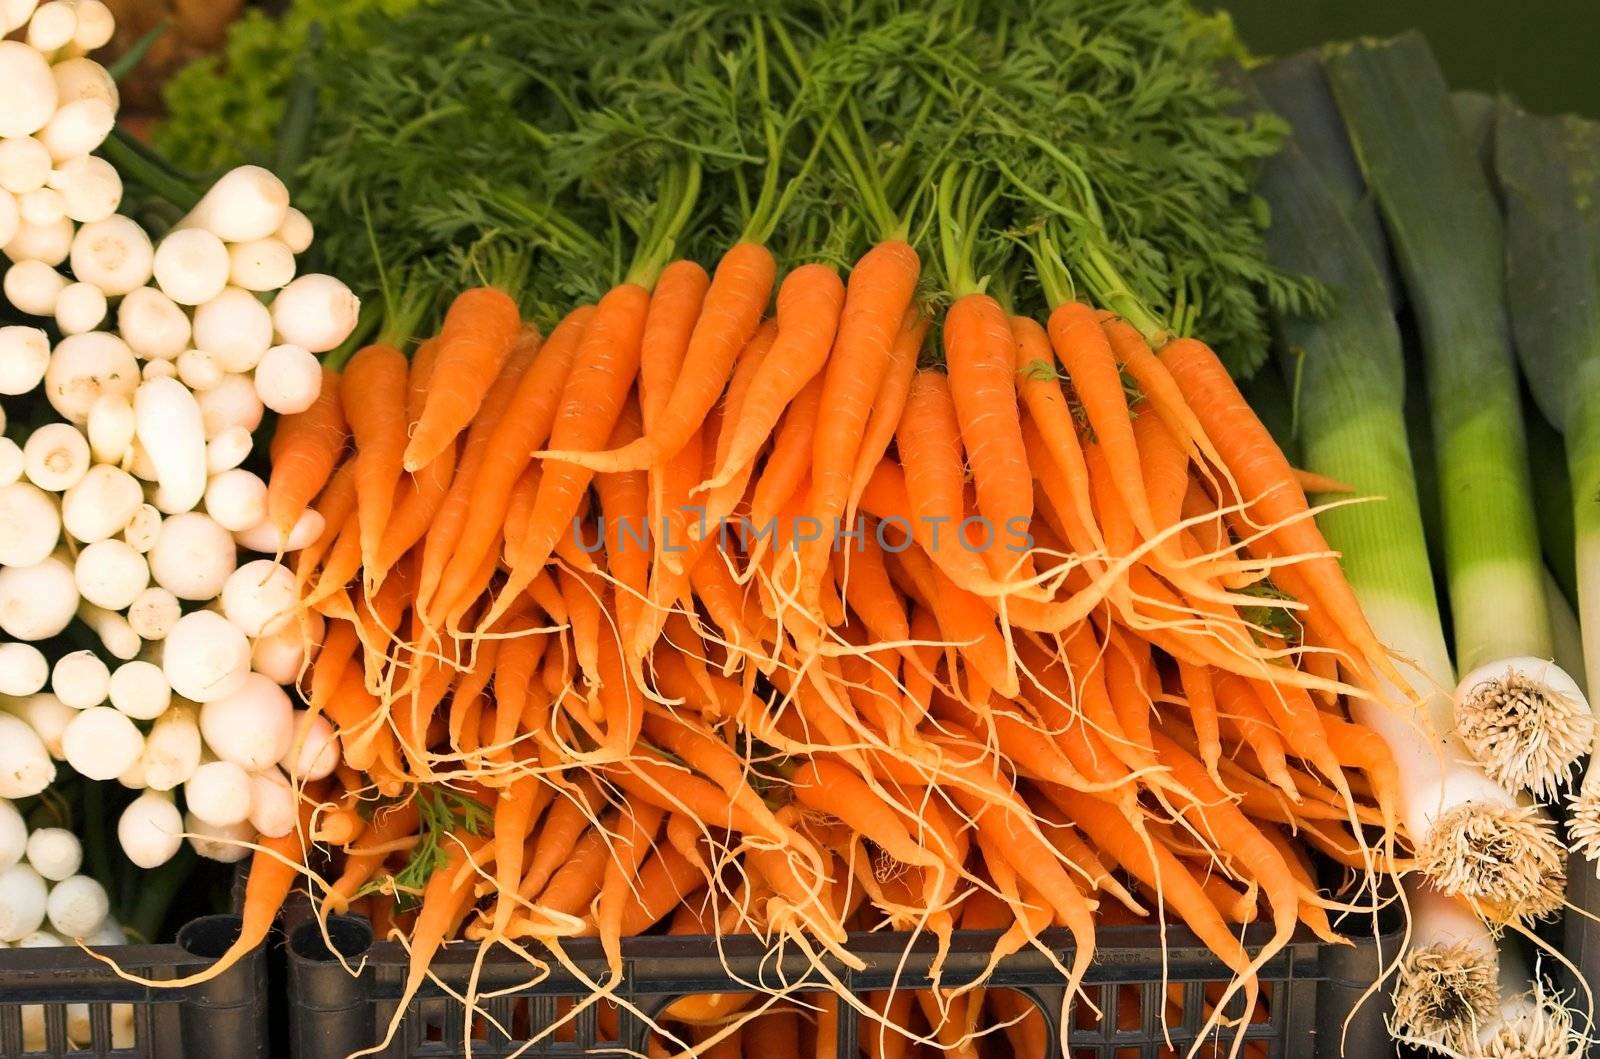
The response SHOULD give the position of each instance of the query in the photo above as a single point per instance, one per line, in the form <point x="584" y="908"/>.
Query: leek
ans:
<point x="1296" y="88"/>
<point x="1480" y="849"/>
<point x="1518" y="712"/>
<point x="1472" y="837"/>
<point x="1549" y="170"/>
<point x="1448" y="984"/>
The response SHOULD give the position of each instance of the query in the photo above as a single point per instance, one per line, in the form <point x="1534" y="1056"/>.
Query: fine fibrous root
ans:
<point x="1525" y="726"/>
<point x="1444" y="994"/>
<point x="1508" y="860"/>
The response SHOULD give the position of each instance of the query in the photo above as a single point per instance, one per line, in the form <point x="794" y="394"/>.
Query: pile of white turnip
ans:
<point x="45" y="902"/>
<point x="137" y="647"/>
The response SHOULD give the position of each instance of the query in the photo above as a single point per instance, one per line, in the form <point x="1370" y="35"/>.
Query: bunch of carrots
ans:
<point x="860" y="615"/>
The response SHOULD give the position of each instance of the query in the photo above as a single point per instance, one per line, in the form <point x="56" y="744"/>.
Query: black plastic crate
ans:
<point x="1314" y="987"/>
<point x="225" y="1018"/>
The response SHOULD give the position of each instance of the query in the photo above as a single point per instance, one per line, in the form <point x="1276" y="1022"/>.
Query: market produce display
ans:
<point x="794" y="474"/>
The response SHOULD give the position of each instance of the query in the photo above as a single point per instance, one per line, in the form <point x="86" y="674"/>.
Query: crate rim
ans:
<point x="684" y="963"/>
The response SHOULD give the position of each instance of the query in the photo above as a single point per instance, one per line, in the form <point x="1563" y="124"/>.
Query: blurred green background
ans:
<point x="1544" y="52"/>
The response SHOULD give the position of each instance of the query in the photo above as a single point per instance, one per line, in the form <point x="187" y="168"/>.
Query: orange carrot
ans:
<point x="450" y="521"/>
<point x="728" y="318"/>
<point x="929" y="442"/>
<point x="877" y="297"/>
<point x="479" y="330"/>
<point x="980" y="355"/>
<point x="674" y="309"/>
<point x="523" y="426"/>
<point x="374" y="398"/>
<point x="1267" y="484"/>
<point x="602" y="373"/>
<point x="273" y="871"/>
<point x="809" y="301"/>
<point x="305" y="448"/>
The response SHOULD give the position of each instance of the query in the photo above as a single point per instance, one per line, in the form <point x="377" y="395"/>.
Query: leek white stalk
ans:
<point x="1521" y="716"/>
<point x="1531" y="1020"/>
<point x="1472" y="838"/>
<point x="1568" y="636"/>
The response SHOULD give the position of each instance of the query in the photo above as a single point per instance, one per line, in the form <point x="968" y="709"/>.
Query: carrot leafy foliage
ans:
<point x="1102" y="127"/>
